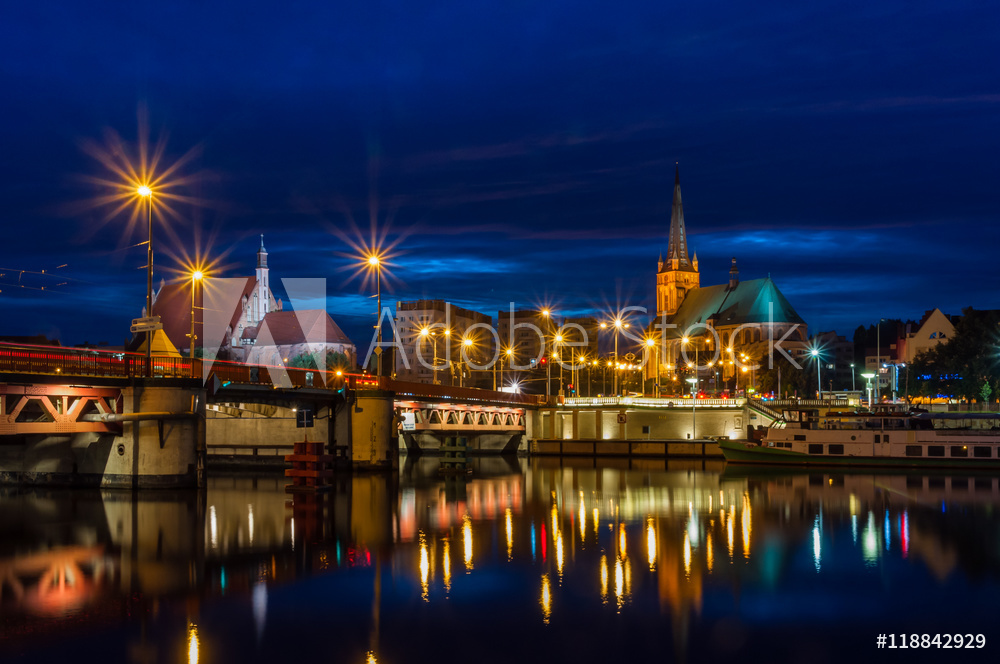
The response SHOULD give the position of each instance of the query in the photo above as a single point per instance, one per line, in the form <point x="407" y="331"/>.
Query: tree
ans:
<point x="966" y="363"/>
<point x="334" y="361"/>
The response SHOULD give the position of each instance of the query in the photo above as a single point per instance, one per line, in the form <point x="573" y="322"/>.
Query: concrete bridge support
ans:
<point x="373" y="424"/>
<point x="153" y="436"/>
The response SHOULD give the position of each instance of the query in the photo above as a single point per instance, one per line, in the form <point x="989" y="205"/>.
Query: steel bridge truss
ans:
<point x="56" y="409"/>
<point x="431" y="417"/>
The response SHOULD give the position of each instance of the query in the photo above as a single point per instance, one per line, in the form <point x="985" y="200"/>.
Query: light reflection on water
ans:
<point x="563" y="534"/>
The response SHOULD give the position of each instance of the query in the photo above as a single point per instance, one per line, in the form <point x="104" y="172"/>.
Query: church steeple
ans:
<point x="262" y="254"/>
<point x="261" y="303"/>
<point x="677" y="249"/>
<point x="677" y="274"/>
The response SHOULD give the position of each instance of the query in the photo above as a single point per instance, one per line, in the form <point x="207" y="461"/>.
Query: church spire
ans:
<point x="677" y="248"/>
<point x="262" y="254"/>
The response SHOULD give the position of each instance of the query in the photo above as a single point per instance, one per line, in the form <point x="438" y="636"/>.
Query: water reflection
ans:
<point x="106" y="558"/>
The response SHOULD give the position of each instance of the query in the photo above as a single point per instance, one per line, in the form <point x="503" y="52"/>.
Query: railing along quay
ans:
<point x="655" y="402"/>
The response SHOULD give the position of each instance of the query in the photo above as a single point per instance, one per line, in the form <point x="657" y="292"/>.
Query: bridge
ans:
<point x="91" y="416"/>
<point x="74" y="416"/>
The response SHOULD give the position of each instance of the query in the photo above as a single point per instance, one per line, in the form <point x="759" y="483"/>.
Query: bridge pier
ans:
<point x="163" y="437"/>
<point x="149" y="434"/>
<point x="373" y="424"/>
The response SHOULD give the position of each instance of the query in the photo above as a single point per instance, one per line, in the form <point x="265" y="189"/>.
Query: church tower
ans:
<point x="677" y="274"/>
<point x="261" y="295"/>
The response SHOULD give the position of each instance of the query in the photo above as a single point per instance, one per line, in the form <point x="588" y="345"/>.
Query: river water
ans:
<point x="541" y="560"/>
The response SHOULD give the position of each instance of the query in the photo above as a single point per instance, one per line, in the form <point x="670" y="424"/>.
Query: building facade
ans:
<point x="436" y="328"/>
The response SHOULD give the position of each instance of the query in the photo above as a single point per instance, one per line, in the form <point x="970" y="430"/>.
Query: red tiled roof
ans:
<point x="286" y="328"/>
<point x="173" y="306"/>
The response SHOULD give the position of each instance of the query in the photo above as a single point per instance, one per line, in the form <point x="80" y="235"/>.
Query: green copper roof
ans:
<point x="747" y="303"/>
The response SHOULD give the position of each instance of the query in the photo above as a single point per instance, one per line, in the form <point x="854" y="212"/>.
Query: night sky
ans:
<point x="510" y="150"/>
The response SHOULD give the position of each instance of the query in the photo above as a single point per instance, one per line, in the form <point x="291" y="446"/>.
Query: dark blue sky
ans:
<point x="525" y="150"/>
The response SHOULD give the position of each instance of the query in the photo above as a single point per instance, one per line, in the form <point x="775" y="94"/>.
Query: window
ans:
<point x="835" y="449"/>
<point x="982" y="452"/>
<point x="959" y="451"/>
<point x="799" y="436"/>
<point x="935" y="450"/>
<point x="914" y="450"/>
<point x="815" y="448"/>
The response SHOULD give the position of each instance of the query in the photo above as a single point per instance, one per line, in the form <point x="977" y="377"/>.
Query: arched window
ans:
<point x="256" y="304"/>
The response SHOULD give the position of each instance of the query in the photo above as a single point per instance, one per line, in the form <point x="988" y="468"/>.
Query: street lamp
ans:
<point x="145" y="192"/>
<point x="375" y="263"/>
<point x="558" y="343"/>
<point x="651" y="344"/>
<point x="196" y="276"/>
<point x="852" y="377"/>
<point x="819" y="384"/>
<point x="467" y="343"/>
<point x="424" y="333"/>
<point x="619" y="325"/>
<point x="868" y="377"/>
<point x="509" y="353"/>
<point x="694" y="401"/>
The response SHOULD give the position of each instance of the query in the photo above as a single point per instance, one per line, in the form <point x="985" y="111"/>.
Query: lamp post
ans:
<point x="694" y="401"/>
<point x="819" y="384"/>
<point x="852" y="377"/>
<point x="145" y="192"/>
<point x="878" y="358"/>
<point x="466" y="345"/>
<point x="696" y="368"/>
<point x="196" y="276"/>
<point x="868" y="378"/>
<point x="651" y="344"/>
<point x="374" y="262"/>
<point x="558" y="344"/>
<point x="424" y="333"/>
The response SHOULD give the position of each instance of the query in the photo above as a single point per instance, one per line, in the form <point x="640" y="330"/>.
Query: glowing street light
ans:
<point x="375" y="263"/>
<point x="868" y="377"/>
<point x="509" y="354"/>
<point x="558" y="339"/>
<point x="426" y="332"/>
<point x="694" y="401"/>
<point x="618" y="325"/>
<point x="144" y="191"/>
<point x="652" y="346"/>
<point x="196" y="276"/>
<point x="819" y="383"/>
<point x="467" y="344"/>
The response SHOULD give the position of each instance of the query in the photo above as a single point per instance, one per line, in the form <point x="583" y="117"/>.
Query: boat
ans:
<point x="884" y="437"/>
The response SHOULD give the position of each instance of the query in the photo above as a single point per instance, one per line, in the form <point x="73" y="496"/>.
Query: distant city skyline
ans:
<point x="523" y="155"/>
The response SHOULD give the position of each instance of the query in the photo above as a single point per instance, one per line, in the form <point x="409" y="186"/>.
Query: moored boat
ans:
<point x="936" y="440"/>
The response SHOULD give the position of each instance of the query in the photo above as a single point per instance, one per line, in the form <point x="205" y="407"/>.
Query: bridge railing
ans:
<point x="840" y="403"/>
<point x="464" y="394"/>
<point x="51" y="360"/>
<point x="254" y="374"/>
<point x="86" y="362"/>
<point x="655" y="402"/>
